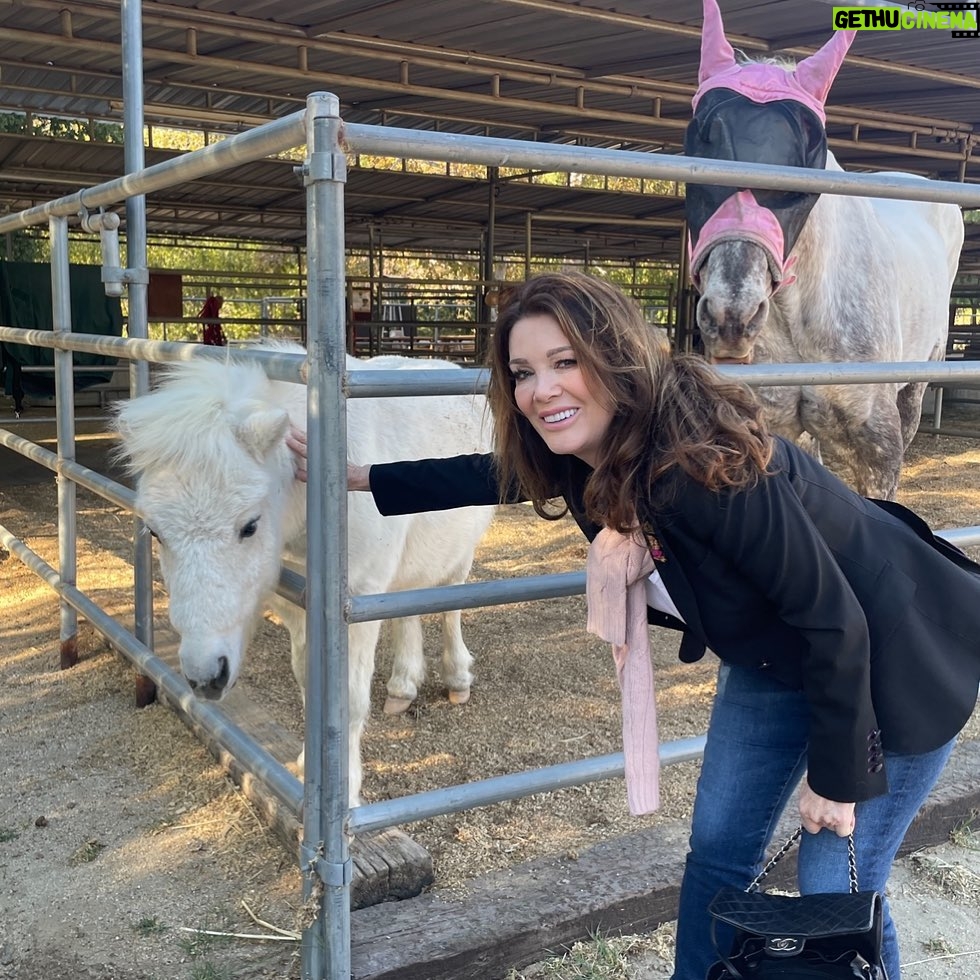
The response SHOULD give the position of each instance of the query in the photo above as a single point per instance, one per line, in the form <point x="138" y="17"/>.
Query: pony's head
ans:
<point x="213" y="476"/>
<point x="767" y="111"/>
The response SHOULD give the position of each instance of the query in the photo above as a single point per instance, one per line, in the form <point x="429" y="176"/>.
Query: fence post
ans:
<point x="325" y="852"/>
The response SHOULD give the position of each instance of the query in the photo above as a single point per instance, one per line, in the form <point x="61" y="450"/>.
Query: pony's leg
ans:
<point x="363" y="642"/>
<point x="294" y="619"/>
<point x="456" y="659"/>
<point x="408" y="664"/>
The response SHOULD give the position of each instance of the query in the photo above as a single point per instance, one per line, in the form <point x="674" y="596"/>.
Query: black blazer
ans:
<point x="851" y="600"/>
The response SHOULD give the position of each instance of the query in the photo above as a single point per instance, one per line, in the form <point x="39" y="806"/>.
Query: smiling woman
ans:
<point x="552" y="391"/>
<point x="796" y="582"/>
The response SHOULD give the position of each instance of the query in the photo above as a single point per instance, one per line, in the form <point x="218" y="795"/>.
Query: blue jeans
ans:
<point x="754" y="758"/>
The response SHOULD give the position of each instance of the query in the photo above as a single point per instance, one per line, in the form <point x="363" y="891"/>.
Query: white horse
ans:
<point x="215" y="484"/>
<point x="853" y="279"/>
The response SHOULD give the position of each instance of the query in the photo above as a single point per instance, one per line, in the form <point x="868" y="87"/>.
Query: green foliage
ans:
<point x="149" y="925"/>
<point x="62" y="129"/>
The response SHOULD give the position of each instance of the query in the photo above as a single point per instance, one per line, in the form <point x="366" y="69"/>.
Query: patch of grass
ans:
<point x="966" y="834"/>
<point x="149" y="925"/>
<point x="208" y="971"/>
<point x="940" y="946"/>
<point x="601" y="958"/>
<point x="8" y="834"/>
<point x="89" y="851"/>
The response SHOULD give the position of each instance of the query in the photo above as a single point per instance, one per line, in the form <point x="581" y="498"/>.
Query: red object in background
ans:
<point x="213" y="334"/>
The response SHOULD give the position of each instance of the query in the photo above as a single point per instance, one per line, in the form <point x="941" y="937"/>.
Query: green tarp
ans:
<point x="25" y="301"/>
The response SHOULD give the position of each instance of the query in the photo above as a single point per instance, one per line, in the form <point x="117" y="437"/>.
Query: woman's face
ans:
<point x="551" y="389"/>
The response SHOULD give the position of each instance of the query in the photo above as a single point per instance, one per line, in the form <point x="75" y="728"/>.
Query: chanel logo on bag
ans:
<point x="783" y="945"/>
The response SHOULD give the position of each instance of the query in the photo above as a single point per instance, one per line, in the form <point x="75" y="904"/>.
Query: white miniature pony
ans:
<point x="216" y="488"/>
<point x="853" y="279"/>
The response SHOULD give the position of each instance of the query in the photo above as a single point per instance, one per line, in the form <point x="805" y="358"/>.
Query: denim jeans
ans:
<point x="754" y="759"/>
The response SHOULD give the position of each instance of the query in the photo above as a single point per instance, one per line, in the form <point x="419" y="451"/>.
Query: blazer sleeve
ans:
<point x="767" y="539"/>
<point x="415" y="486"/>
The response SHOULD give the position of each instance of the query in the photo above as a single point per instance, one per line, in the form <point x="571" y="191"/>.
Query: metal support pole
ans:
<point x="138" y="280"/>
<point x="325" y="853"/>
<point x="527" y="245"/>
<point x="65" y="416"/>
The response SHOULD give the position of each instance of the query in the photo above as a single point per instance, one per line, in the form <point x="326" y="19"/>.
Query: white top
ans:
<point x="658" y="597"/>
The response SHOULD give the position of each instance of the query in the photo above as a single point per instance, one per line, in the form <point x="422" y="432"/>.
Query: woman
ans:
<point x="846" y="630"/>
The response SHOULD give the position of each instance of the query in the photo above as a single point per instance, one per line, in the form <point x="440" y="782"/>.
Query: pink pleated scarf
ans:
<point x="616" y="571"/>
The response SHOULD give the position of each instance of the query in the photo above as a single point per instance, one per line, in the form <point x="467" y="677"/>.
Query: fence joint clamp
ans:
<point x="322" y="165"/>
<point x="335" y="875"/>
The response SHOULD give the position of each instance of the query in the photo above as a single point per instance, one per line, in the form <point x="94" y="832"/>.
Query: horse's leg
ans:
<point x="910" y="409"/>
<point x="456" y="659"/>
<point x="860" y="435"/>
<point x="408" y="664"/>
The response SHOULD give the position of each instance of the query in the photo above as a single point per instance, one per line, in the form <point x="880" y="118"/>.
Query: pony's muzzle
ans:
<point x="217" y="686"/>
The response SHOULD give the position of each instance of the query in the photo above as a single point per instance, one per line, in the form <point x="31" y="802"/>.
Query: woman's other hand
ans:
<point x="357" y="476"/>
<point x="817" y="812"/>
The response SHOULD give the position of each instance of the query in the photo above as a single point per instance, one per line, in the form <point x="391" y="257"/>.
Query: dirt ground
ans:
<point x="121" y="838"/>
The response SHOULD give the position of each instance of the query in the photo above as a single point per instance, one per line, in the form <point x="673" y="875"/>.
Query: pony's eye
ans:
<point x="249" y="529"/>
<point x="151" y="532"/>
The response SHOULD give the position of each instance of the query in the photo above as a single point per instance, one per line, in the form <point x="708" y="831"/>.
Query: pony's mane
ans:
<point x="780" y="60"/>
<point x="186" y="418"/>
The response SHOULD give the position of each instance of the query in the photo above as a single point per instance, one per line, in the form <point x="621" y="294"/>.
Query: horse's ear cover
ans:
<point x="262" y="430"/>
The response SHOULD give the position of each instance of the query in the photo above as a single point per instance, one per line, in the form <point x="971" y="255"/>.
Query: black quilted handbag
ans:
<point x="810" y="936"/>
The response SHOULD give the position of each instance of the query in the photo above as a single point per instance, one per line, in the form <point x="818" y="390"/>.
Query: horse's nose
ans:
<point x="728" y="323"/>
<point x="214" y="688"/>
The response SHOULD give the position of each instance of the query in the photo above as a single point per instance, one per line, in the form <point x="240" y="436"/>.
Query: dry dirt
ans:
<point x="118" y="832"/>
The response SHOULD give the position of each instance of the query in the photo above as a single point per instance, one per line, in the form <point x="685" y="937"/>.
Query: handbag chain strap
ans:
<point x="774" y="860"/>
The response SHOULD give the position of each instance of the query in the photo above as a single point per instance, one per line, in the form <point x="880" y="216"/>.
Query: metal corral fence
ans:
<point x="325" y="858"/>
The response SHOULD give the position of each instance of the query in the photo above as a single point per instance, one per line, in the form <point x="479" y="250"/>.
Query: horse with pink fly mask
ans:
<point x="788" y="276"/>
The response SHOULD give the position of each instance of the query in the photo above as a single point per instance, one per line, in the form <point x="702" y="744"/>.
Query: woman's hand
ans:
<point x="817" y="812"/>
<point x="357" y="476"/>
<point x="296" y="440"/>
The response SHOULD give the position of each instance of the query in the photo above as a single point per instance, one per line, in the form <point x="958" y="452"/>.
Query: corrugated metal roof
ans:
<point x="599" y="73"/>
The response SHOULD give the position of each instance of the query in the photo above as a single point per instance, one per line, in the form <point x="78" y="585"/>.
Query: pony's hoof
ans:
<point x="397" y="706"/>
<point x="296" y="768"/>
<point x="459" y="697"/>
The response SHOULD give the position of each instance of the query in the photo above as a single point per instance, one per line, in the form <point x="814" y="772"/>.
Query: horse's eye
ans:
<point x="249" y="529"/>
<point x="151" y="532"/>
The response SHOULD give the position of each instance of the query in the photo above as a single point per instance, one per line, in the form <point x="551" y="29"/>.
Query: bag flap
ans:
<point x="806" y="916"/>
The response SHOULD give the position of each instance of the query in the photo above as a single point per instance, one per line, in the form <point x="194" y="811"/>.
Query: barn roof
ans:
<point x="610" y="74"/>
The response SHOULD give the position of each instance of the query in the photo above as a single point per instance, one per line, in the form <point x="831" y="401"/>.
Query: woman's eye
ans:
<point x="249" y="529"/>
<point x="565" y="363"/>
<point x="520" y="375"/>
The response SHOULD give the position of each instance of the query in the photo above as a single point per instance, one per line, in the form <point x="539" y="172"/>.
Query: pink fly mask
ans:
<point x="756" y="113"/>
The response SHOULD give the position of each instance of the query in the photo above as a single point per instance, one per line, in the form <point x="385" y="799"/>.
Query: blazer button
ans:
<point x="877" y="767"/>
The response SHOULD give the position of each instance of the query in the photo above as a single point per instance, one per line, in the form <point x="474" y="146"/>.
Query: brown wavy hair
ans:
<point x="669" y="410"/>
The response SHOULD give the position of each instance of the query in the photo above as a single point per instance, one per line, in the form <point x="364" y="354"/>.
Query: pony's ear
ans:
<point x="817" y="72"/>
<point x="260" y="431"/>
<point x="717" y="55"/>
